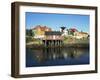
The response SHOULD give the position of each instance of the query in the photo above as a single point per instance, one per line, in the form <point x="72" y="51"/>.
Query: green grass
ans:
<point x="31" y="40"/>
<point x="68" y="40"/>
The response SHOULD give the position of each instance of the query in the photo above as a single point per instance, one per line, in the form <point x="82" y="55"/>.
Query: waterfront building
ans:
<point x="39" y="31"/>
<point x="53" y="38"/>
<point x="80" y="35"/>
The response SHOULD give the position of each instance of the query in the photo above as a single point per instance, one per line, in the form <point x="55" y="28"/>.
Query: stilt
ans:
<point x="52" y="43"/>
<point x="49" y="43"/>
<point x="45" y="43"/>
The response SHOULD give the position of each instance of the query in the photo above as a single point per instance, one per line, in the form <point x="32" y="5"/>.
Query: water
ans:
<point x="56" y="56"/>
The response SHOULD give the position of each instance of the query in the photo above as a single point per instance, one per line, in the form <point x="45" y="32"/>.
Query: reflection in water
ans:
<point x="56" y="56"/>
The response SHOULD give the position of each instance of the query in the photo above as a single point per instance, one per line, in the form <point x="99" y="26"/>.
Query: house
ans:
<point x="39" y="31"/>
<point x="53" y="35"/>
<point x="72" y="31"/>
<point x="68" y="32"/>
<point x="53" y="38"/>
<point x="80" y="35"/>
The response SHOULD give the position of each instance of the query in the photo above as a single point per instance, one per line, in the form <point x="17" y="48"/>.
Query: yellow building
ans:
<point x="80" y="35"/>
<point x="39" y="31"/>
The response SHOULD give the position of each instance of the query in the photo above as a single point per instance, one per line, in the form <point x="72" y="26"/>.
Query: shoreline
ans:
<point x="71" y="45"/>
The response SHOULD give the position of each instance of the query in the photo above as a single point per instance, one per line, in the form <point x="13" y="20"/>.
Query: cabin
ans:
<point x="53" y="38"/>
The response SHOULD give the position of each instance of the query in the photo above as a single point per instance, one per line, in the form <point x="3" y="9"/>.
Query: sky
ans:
<point x="55" y="21"/>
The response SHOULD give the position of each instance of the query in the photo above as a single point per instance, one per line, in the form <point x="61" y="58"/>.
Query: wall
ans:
<point x="5" y="40"/>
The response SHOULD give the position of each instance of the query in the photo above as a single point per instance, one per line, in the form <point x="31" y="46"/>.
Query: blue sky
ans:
<point x="55" y="21"/>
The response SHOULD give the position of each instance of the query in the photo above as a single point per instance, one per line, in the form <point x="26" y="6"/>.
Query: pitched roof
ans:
<point x="73" y="29"/>
<point x="43" y="28"/>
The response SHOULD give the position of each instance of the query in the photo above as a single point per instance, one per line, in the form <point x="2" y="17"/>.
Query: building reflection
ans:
<point x="51" y="54"/>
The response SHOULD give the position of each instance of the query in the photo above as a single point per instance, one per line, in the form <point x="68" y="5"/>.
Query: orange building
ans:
<point x="39" y="31"/>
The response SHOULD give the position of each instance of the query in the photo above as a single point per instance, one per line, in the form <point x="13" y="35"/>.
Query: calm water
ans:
<point x="56" y="56"/>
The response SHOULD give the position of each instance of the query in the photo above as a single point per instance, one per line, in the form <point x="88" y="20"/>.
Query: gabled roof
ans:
<point x="73" y="29"/>
<point x="43" y="28"/>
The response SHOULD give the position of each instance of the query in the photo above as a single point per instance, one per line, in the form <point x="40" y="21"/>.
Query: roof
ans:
<point x="73" y="29"/>
<point x="83" y="33"/>
<point x="53" y="33"/>
<point x="43" y="28"/>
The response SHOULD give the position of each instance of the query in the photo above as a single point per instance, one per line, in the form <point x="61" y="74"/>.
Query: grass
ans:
<point x="31" y="40"/>
<point x="67" y="40"/>
<point x="70" y="40"/>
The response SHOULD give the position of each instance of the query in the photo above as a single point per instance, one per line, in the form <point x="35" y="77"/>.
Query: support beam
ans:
<point x="45" y="43"/>
<point x="52" y="42"/>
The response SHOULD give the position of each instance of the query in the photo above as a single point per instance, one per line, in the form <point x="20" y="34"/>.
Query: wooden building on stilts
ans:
<point x="53" y="38"/>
